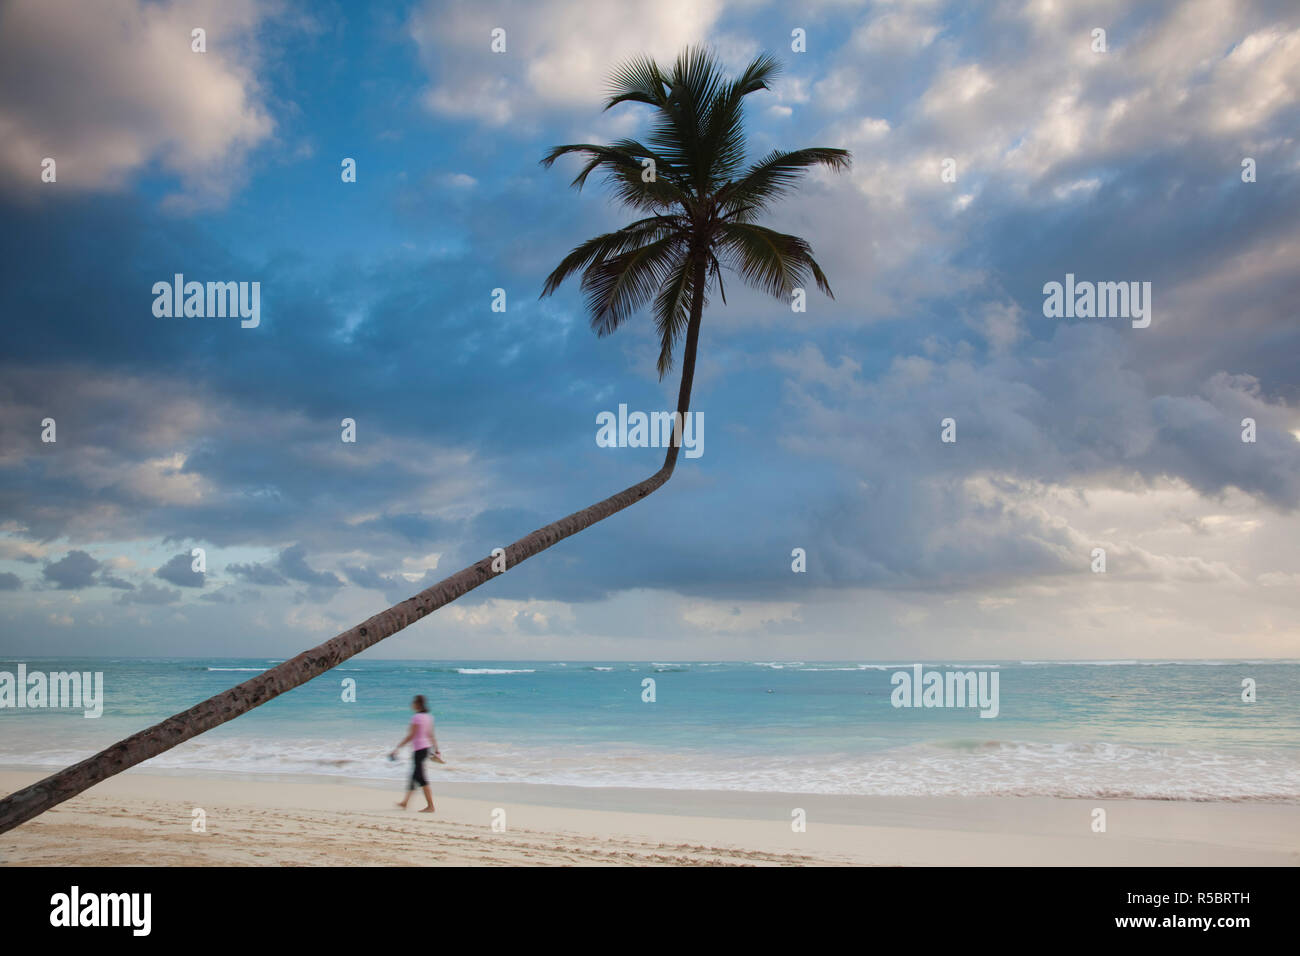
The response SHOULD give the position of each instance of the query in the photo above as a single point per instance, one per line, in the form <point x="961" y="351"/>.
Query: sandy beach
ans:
<point x="145" y="819"/>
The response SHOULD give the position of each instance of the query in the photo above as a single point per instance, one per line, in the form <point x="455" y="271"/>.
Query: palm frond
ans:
<point x="775" y="174"/>
<point x="672" y="311"/>
<point x="637" y="81"/>
<point x="611" y="244"/>
<point x="608" y="156"/>
<point x="618" y="286"/>
<point x="723" y="138"/>
<point x="693" y="82"/>
<point x="622" y="164"/>
<point x="770" y="261"/>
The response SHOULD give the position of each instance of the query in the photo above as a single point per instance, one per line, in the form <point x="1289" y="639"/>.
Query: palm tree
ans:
<point x="701" y="202"/>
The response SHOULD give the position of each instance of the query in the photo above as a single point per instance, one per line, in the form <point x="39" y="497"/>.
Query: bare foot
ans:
<point x="401" y="806"/>
<point x="428" y="809"/>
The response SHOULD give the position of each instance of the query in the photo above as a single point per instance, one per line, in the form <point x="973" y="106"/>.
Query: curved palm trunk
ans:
<point x="21" y="806"/>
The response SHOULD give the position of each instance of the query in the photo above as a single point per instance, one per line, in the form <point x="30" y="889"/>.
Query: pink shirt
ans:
<point x="422" y="726"/>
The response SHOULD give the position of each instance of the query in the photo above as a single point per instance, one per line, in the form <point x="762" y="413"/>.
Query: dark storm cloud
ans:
<point x="257" y="574"/>
<point x="411" y="527"/>
<point x="231" y="595"/>
<point x="367" y="578"/>
<point x="73" y="571"/>
<point x="1187" y="217"/>
<point x="292" y="563"/>
<point x="150" y="593"/>
<point x="179" y="571"/>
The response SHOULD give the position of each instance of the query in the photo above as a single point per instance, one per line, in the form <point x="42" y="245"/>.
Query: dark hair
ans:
<point x="419" y="704"/>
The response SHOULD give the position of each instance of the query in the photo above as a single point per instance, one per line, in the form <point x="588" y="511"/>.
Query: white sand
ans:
<point x="139" y="818"/>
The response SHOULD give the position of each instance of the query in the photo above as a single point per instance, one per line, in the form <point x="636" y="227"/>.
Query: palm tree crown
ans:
<point x="701" y="201"/>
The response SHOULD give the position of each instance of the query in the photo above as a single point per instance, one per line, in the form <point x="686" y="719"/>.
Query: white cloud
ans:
<point x="107" y="88"/>
<point x="1000" y="324"/>
<point x="502" y="616"/>
<point x="809" y="365"/>
<point x="559" y="53"/>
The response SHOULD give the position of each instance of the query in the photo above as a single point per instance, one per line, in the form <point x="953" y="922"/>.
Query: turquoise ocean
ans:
<point x="1122" y="728"/>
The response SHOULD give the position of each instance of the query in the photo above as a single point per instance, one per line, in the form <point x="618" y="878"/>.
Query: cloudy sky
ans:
<point x="822" y="429"/>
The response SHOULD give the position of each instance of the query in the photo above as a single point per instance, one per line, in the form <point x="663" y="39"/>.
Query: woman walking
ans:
<point x="422" y="741"/>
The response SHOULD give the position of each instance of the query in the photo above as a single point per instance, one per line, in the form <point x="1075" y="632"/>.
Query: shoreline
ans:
<point x="142" y="818"/>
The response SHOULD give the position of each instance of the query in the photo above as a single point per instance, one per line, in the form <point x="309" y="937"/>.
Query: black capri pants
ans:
<point x="417" y="771"/>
